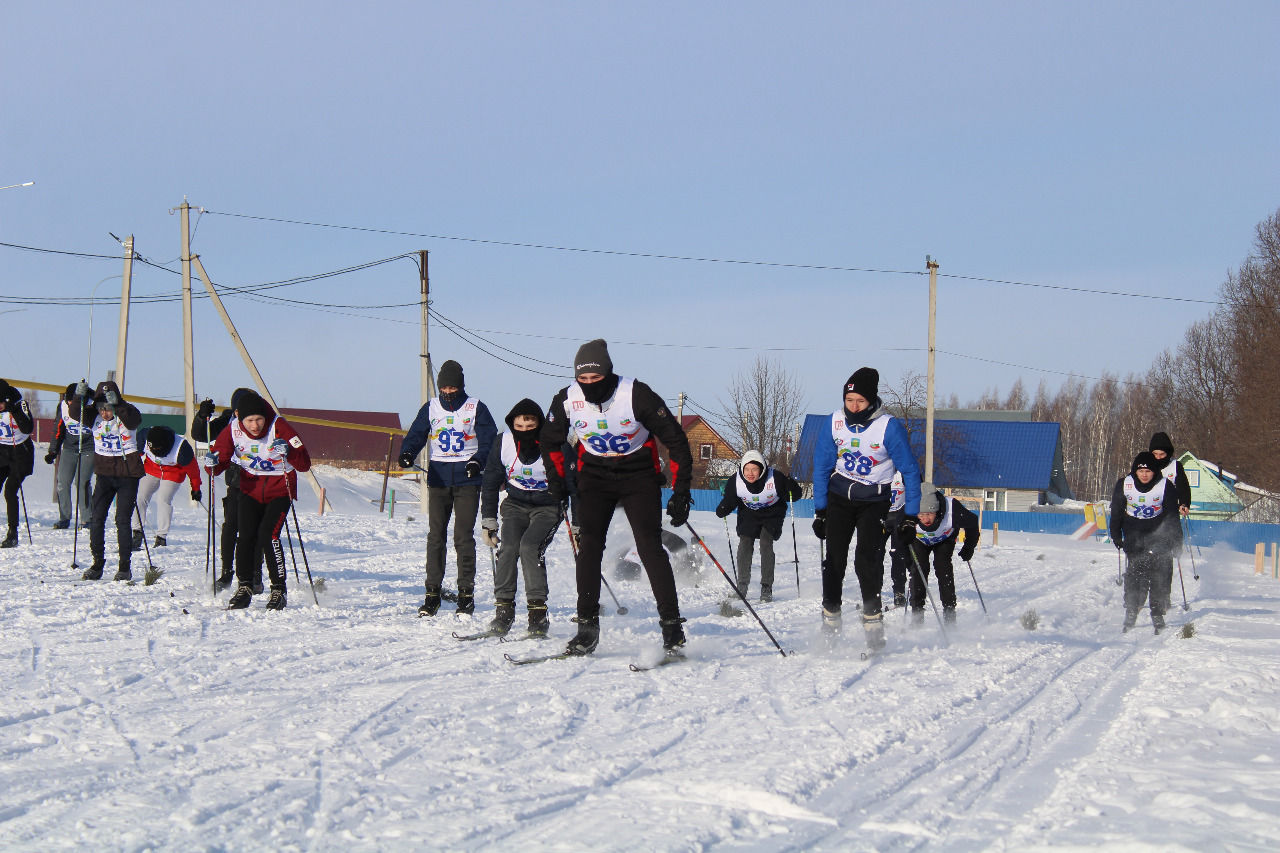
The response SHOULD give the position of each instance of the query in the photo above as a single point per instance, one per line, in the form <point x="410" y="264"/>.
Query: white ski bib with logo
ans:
<point x="254" y="454"/>
<point x="614" y="432"/>
<point x="531" y="477"/>
<point x="453" y="434"/>
<point x="862" y="456"/>
<point x="1143" y="504"/>
<point x="768" y="495"/>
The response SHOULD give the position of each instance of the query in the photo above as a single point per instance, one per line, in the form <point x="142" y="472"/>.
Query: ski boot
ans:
<point x="223" y="581"/>
<point x="466" y="601"/>
<point x="1130" y="619"/>
<point x="539" y="624"/>
<point x="240" y="598"/>
<point x="161" y="542"/>
<point x="10" y="541"/>
<point x="504" y="613"/>
<point x="873" y="625"/>
<point x="278" y="598"/>
<point x="899" y="599"/>
<point x="137" y="541"/>
<point x="1157" y="622"/>
<point x="766" y="594"/>
<point x="917" y="617"/>
<point x="949" y="615"/>
<point x="123" y="573"/>
<point x="588" y="636"/>
<point x="431" y="604"/>
<point x="94" y="572"/>
<point x="831" y="619"/>
<point x="61" y="525"/>
<point x="673" y="638"/>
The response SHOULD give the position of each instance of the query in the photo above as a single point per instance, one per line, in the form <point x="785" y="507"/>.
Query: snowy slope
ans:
<point x="139" y="717"/>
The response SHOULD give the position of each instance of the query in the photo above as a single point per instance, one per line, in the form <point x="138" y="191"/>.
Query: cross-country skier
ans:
<point x="268" y="452"/>
<point x="852" y="473"/>
<point x="531" y="515"/>
<point x="205" y="427"/>
<point x="759" y="494"/>
<point x="618" y="422"/>
<point x="17" y="453"/>
<point x="72" y="451"/>
<point x="117" y="468"/>
<point x="459" y="432"/>
<point x="1161" y="448"/>
<point x="1144" y="524"/>
<point x="898" y="556"/>
<point x="167" y="459"/>
<point x="941" y="520"/>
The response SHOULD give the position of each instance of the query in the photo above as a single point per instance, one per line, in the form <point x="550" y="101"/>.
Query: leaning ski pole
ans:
<point x="795" y="549"/>
<point x="573" y="543"/>
<point x="1185" y="606"/>
<point x="75" y="536"/>
<point x="289" y="535"/>
<point x="975" y="586"/>
<point x="1191" y="549"/>
<point x="25" y="517"/>
<point x="924" y="582"/>
<point x="303" y="549"/>
<point x="728" y="537"/>
<point x="1119" y="570"/>
<point x="138" y="514"/>
<point x="735" y="588"/>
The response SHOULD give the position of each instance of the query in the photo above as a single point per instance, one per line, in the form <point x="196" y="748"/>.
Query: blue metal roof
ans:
<point x="967" y="454"/>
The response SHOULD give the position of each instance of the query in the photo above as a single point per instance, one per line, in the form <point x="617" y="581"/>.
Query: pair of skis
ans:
<point x="665" y="660"/>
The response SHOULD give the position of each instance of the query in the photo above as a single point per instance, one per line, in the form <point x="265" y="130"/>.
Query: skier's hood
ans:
<point x="100" y="393"/>
<point x="525" y="407"/>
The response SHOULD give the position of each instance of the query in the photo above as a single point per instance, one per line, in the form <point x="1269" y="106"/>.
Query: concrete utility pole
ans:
<point x="933" y="337"/>
<point x="428" y="379"/>
<point x="680" y="409"/>
<point x="123" y="337"/>
<point x="188" y="342"/>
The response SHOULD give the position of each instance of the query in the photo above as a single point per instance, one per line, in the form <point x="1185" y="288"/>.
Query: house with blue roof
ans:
<point x="1007" y="464"/>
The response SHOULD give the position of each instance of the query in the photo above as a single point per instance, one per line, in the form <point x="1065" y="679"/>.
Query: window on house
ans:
<point x="990" y="498"/>
<point x="705" y="451"/>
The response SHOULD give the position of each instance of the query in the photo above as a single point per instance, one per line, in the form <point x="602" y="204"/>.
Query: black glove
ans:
<point x="205" y="410"/>
<point x="820" y="523"/>
<point x="966" y="552"/>
<point x="473" y="469"/>
<point x="195" y="495"/>
<point x="82" y="389"/>
<point x="678" y="507"/>
<point x="555" y="488"/>
<point x="113" y="399"/>
<point x="406" y="459"/>
<point x="724" y="510"/>
<point x="907" y="527"/>
<point x="49" y="457"/>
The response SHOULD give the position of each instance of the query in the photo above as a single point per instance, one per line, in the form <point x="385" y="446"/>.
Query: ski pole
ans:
<point x="1119" y="570"/>
<point x="915" y="561"/>
<point x="729" y="538"/>
<point x="975" y="586"/>
<point x="1191" y="549"/>
<point x="622" y="611"/>
<point x="75" y="536"/>
<point x="1185" y="606"/>
<point x="138" y="514"/>
<point x="301" y="547"/>
<point x="735" y="588"/>
<point x="289" y="535"/>
<point x="25" y="517"/>
<point x="795" y="549"/>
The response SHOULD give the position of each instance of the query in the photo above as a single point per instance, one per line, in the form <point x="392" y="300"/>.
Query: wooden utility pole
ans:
<point x="188" y="343"/>
<point x="933" y="336"/>
<point x="428" y="379"/>
<point x="123" y="337"/>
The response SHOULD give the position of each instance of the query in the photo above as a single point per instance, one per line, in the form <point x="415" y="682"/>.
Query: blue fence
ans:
<point x="1236" y="535"/>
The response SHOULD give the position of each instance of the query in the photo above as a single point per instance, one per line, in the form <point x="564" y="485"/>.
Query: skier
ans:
<point x="168" y="460"/>
<point x="760" y="495"/>
<point x="206" y="428"/>
<point x="618" y="422"/>
<point x="17" y="453"/>
<point x="1162" y="448"/>
<point x="460" y="432"/>
<point x="117" y="468"/>
<point x="941" y="520"/>
<point x="530" y="517"/>
<point x="1144" y="524"/>
<point x="852" y="472"/>
<point x="268" y="452"/>
<point x="74" y="434"/>
<point x="898" y="556"/>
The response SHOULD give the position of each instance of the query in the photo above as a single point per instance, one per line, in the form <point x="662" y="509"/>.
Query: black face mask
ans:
<point x="527" y="444"/>
<point x="597" y="393"/>
<point x="453" y="401"/>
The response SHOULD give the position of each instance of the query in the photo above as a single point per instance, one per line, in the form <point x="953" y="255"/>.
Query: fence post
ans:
<point x="995" y="533"/>
<point x="1257" y="558"/>
<point x="391" y="510"/>
<point x="322" y="500"/>
<point x="1275" y="560"/>
<point x="386" y="475"/>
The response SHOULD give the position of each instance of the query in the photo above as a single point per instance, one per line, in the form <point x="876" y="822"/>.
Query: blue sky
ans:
<point x="1106" y="146"/>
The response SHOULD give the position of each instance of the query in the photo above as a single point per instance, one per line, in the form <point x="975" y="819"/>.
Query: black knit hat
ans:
<point x="593" y="357"/>
<point x="1160" y="441"/>
<point x="450" y="375"/>
<point x="238" y="395"/>
<point x="252" y="404"/>
<point x="70" y="393"/>
<point x="864" y="381"/>
<point x="1145" y="459"/>
<point x="160" y="439"/>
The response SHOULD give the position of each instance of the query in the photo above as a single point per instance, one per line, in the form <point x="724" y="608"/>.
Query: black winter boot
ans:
<point x="672" y="634"/>
<point x="949" y="615"/>
<point x="161" y="542"/>
<point x="240" y="598"/>
<point x="1130" y="619"/>
<point x="10" y="541"/>
<point x="539" y="624"/>
<point x="123" y="573"/>
<point x="278" y="599"/>
<point x="466" y="601"/>
<point x="504" y="613"/>
<point x="94" y="572"/>
<point x="766" y="593"/>
<point x="1157" y="622"/>
<point x="224" y="580"/>
<point x="431" y="604"/>
<point x="588" y="636"/>
<point x="137" y="541"/>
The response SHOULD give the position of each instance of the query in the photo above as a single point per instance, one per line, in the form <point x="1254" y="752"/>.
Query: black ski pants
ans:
<point x="259" y="538"/>
<point x="1147" y="576"/>
<point x="12" y="483"/>
<point x="942" y="567"/>
<point x="124" y="491"/>
<point x="844" y="519"/>
<point x="230" y="533"/>
<point x="463" y="503"/>
<point x="640" y="497"/>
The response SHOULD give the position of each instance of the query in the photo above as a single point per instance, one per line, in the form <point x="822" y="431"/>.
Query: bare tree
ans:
<point x="765" y="402"/>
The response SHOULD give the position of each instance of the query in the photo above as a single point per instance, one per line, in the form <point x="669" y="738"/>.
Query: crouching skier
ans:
<point x="760" y="495"/>
<point x="1145" y="525"/>
<point x="168" y="460"/>
<point x="618" y="422"/>
<point x="898" y="556"/>
<point x="268" y="452"/>
<point x="117" y="468"/>
<point x="941" y="520"/>
<point x="531" y="515"/>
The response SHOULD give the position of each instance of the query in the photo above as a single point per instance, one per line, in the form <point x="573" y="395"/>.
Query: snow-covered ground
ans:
<point x="137" y="717"/>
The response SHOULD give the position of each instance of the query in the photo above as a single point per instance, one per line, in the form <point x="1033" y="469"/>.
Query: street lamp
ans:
<point x="11" y="186"/>
<point x="88" y="372"/>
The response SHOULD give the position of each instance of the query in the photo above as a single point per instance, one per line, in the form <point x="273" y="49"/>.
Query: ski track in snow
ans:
<point x="130" y="724"/>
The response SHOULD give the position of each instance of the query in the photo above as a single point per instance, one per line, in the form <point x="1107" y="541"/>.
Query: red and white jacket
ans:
<point x="264" y="487"/>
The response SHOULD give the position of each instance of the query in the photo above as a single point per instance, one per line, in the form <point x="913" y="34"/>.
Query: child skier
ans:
<point x="117" y="468"/>
<point x="167" y="460"/>
<point x="760" y="495"/>
<point x="268" y="452"/>
<point x="17" y="453"/>
<point x="460" y="433"/>
<point x="852" y="472"/>
<point x="618" y="422"/>
<point x="530" y="517"/>
<point x="74" y="435"/>
<point x="1144" y="524"/>
<point x="941" y="520"/>
<point x="898" y="557"/>
<point x="205" y="427"/>
<point x="1161" y="448"/>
